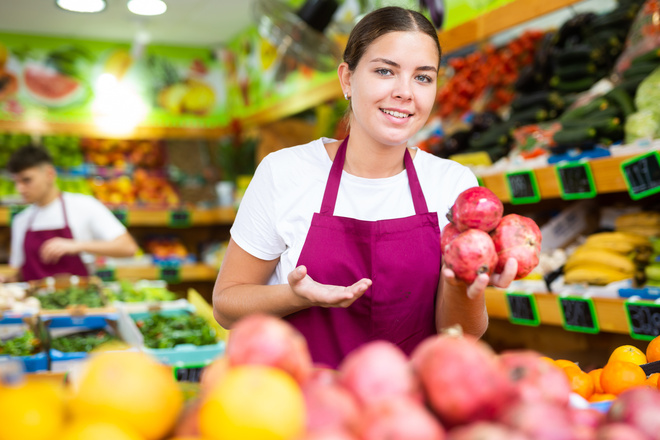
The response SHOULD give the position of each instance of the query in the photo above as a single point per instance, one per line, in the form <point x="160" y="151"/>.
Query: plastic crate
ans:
<point x="32" y="363"/>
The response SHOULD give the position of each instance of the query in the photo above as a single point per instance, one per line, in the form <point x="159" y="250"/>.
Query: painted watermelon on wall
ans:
<point x="50" y="87"/>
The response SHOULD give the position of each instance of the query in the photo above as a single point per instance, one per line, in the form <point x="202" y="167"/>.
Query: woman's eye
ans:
<point x="384" y="72"/>
<point x="424" y="78"/>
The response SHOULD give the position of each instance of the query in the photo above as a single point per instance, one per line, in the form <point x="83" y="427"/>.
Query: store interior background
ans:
<point x="206" y="28"/>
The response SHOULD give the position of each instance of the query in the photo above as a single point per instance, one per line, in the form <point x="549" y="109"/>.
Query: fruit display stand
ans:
<point x="24" y="328"/>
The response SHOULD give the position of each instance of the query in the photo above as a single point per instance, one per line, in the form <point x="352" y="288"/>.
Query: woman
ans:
<point x="342" y="238"/>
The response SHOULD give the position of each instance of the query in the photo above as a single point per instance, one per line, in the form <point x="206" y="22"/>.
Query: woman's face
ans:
<point x="393" y="86"/>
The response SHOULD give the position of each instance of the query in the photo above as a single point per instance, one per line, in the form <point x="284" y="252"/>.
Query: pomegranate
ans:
<point x="462" y="379"/>
<point x="588" y="417"/>
<point x="266" y="340"/>
<point x="638" y="407"/>
<point x="534" y="378"/>
<point x="484" y="431"/>
<point x="333" y="434"/>
<point x="520" y="238"/>
<point x="329" y="406"/>
<point x="619" y="431"/>
<point x="477" y="208"/>
<point x="471" y="254"/>
<point x="400" y="418"/>
<point x="540" y="420"/>
<point x="449" y="232"/>
<point x="379" y="370"/>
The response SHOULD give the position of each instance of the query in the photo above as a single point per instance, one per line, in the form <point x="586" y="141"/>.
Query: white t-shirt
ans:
<point x="88" y="220"/>
<point x="287" y="189"/>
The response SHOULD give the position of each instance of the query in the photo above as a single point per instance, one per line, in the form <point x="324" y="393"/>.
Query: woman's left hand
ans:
<point x="478" y="287"/>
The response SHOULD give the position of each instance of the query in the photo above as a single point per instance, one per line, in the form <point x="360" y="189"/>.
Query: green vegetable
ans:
<point x="81" y="342"/>
<point x="578" y="53"/>
<point x="577" y="85"/>
<point x="532" y="114"/>
<point x="161" y="331"/>
<point x="603" y="125"/>
<point x="651" y="55"/>
<point x="643" y="124"/>
<point x="89" y="296"/>
<point x="622" y="99"/>
<point x="129" y="292"/>
<point x="648" y="93"/>
<point x="25" y="345"/>
<point x="644" y="68"/>
<point x="630" y="85"/>
<point x="571" y="135"/>
<point x="574" y="71"/>
<point x="593" y="106"/>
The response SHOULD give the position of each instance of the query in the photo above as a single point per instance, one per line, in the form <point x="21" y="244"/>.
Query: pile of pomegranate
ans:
<point x="452" y="387"/>
<point x="478" y="239"/>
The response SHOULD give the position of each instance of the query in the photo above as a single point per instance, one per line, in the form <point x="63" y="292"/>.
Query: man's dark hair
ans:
<point x="27" y="157"/>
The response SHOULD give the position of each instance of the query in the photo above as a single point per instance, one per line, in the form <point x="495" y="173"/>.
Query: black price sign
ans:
<point x="180" y="218"/>
<point x="642" y="175"/>
<point x="523" y="187"/>
<point x="578" y="314"/>
<point x="170" y="274"/>
<point x="643" y="319"/>
<point x="189" y="373"/>
<point x="106" y="274"/>
<point x="122" y="215"/>
<point x="14" y="210"/>
<point x="576" y="181"/>
<point x="522" y="308"/>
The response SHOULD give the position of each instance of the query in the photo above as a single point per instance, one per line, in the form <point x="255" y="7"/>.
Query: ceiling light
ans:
<point x="147" y="7"/>
<point x="88" y="6"/>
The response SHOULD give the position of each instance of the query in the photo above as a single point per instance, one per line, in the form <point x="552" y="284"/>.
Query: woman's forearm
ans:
<point x="455" y="307"/>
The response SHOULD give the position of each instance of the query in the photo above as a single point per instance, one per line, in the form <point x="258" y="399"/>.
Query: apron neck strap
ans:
<point x="332" y="187"/>
<point x="34" y="214"/>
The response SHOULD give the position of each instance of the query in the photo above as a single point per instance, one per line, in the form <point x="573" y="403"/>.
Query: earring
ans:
<point x="346" y="96"/>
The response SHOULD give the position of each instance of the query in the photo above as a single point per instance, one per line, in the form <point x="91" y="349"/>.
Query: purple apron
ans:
<point x="35" y="269"/>
<point x="402" y="258"/>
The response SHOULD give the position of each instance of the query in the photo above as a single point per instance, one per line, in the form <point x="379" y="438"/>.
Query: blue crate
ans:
<point x="31" y="364"/>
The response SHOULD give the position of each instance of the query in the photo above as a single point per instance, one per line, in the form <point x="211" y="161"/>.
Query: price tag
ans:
<point x="643" y="319"/>
<point x="578" y="314"/>
<point x="642" y="175"/>
<point x="180" y="218"/>
<point x="523" y="187"/>
<point x="522" y="308"/>
<point x="106" y="274"/>
<point x="576" y="181"/>
<point x="122" y="215"/>
<point x="170" y="274"/>
<point x="191" y="373"/>
<point x="14" y="210"/>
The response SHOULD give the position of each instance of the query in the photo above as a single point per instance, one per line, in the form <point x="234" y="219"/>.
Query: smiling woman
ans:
<point x="342" y="237"/>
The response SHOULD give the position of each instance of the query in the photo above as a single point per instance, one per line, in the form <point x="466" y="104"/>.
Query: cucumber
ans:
<point x="621" y="98"/>
<point x="613" y="19"/>
<point x="644" y="68"/>
<point x="602" y="125"/>
<point x="533" y="99"/>
<point x="651" y="55"/>
<point x="537" y="113"/>
<point x="499" y="134"/>
<point x="574" y="71"/>
<point x="578" y="85"/>
<point x="574" y="135"/>
<point x="631" y="85"/>
<point x="593" y="106"/>
<point x="578" y="53"/>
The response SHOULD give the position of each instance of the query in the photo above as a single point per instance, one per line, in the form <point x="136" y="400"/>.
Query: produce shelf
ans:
<point x="161" y="217"/>
<point x="610" y="311"/>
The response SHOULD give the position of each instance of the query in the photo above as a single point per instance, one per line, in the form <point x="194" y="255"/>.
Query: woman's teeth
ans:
<point x="395" y="114"/>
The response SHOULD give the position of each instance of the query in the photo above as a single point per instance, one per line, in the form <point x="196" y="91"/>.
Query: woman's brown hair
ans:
<point x="380" y="22"/>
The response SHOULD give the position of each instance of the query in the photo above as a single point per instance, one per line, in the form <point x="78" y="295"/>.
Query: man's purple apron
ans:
<point x="34" y="268"/>
<point x="401" y="257"/>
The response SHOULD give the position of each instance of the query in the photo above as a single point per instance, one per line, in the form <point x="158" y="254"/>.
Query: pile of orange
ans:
<point x="621" y="373"/>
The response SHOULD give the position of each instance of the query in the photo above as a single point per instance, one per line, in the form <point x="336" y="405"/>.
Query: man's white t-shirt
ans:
<point x="276" y="211"/>
<point x="88" y="220"/>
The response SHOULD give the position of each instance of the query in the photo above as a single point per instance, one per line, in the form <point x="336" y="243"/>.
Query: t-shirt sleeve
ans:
<point x="18" y="229"/>
<point x="254" y="228"/>
<point x="103" y="224"/>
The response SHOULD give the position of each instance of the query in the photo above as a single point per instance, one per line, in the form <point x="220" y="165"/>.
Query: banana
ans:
<point x="622" y="242"/>
<point x="594" y="274"/>
<point x="638" y="219"/>
<point x="590" y="256"/>
<point x="645" y="231"/>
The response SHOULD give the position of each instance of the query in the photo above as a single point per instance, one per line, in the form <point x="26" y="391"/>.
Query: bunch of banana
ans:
<point x="652" y="270"/>
<point x="606" y="257"/>
<point x="645" y="223"/>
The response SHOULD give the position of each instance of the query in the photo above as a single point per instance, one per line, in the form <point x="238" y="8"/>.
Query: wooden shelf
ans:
<point x="607" y="177"/>
<point x="161" y="217"/>
<point x="610" y="311"/>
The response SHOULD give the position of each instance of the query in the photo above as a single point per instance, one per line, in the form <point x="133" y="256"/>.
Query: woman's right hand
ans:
<point x="323" y="295"/>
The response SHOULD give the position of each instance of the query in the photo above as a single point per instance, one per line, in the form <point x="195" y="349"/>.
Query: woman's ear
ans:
<point x="344" y="74"/>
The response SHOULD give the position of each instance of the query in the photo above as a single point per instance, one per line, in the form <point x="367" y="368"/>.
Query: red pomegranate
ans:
<point x="478" y="208"/>
<point x="400" y="419"/>
<point x="485" y="431"/>
<point x="449" y="232"/>
<point x="540" y="420"/>
<point x="638" y="407"/>
<point x="520" y="238"/>
<point x="471" y="254"/>
<point x="330" y="407"/>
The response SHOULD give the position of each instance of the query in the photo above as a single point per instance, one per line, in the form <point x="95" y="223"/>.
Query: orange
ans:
<point x="628" y="353"/>
<point x="618" y="376"/>
<point x="129" y="388"/>
<point x="31" y="411"/>
<point x="581" y="382"/>
<point x="652" y="380"/>
<point x="565" y="363"/>
<point x="595" y="375"/>
<point x="653" y="350"/>
<point x="601" y="397"/>
<point x="253" y="402"/>
<point x="90" y="429"/>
